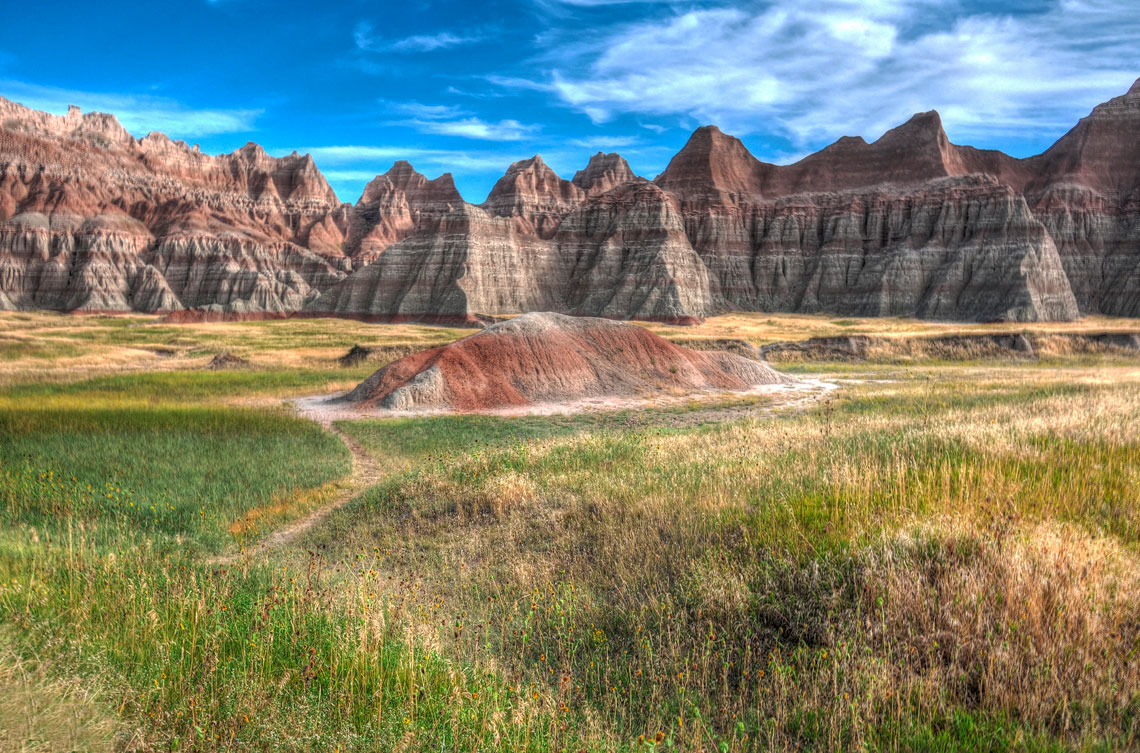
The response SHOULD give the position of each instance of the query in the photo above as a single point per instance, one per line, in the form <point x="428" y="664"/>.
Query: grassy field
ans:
<point x="933" y="557"/>
<point x="52" y="347"/>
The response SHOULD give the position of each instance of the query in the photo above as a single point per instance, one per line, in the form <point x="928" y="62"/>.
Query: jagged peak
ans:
<point x="708" y="130"/>
<point x="534" y="192"/>
<point x="1135" y="90"/>
<point x="603" y="172"/>
<point x="70" y="125"/>
<point x="252" y="149"/>
<point x="922" y="125"/>
<point x="711" y="137"/>
<point x="712" y="160"/>
<point x="531" y="164"/>
<point x="401" y="167"/>
<point x="446" y="183"/>
<point x="397" y="178"/>
<point x="847" y="141"/>
<point x="541" y="175"/>
<point x="403" y="177"/>
<point x="159" y="142"/>
<point x="607" y="160"/>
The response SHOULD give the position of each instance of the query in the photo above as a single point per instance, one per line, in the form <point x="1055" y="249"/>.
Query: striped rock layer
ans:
<point x="93" y="219"/>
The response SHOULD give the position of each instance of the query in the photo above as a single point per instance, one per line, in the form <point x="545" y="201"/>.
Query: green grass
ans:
<point x="942" y="559"/>
<point x="107" y="513"/>
<point x="209" y="659"/>
<point x="183" y="386"/>
<point x="748" y="586"/>
<point x="174" y="472"/>
<point x="12" y="350"/>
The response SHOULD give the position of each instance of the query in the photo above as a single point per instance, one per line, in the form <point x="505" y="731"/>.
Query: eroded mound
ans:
<point x="543" y="358"/>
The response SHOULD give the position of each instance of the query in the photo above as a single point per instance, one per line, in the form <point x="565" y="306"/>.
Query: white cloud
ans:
<point x="348" y="159"/>
<point x="366" y="41"/>
<point x="567" y="7"/>
<point x="813" y="72"/>
<point x="476" y="128"/>
<point x="430" y="42"/>
<point x="425" y="112"/>
<point x="597" y="3"/>
<point x="604" y="142"/>
<point x="139" y="114"/>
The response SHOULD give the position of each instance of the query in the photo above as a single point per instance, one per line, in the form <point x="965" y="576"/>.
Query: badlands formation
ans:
<point x="545" y="358"/>
<point x="92" y="219"/>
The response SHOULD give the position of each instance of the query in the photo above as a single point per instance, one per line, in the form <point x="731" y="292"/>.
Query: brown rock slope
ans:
<point x="93" y="219"/>
<point x="551" y="358"/>
<point x="538" y="244"/>
<point x="908" y="225"/>
<point x="900" y="227"/>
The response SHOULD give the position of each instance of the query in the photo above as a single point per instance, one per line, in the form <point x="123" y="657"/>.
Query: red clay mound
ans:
<point x="550" y="358"/>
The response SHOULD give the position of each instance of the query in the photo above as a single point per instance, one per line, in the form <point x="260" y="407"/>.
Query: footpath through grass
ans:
<point x="947" y="562"/>
<point x="112" y="493"/>
<point x="944" y="561"/>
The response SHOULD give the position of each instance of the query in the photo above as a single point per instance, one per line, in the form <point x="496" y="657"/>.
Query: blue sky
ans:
<point x="469" y="87"/>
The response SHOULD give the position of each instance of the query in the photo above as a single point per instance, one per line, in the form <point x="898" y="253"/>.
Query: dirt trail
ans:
<point x="366" y="471"/>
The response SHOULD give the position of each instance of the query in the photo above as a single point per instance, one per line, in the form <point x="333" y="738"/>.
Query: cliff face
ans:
<point x="1085" y="189"/>
<point x="622" y="254"/>
<point x="910" y="224"/>
<point x="93" y="219"/>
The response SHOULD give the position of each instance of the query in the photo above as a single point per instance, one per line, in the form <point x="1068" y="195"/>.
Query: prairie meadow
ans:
<point x="932" y="555"/>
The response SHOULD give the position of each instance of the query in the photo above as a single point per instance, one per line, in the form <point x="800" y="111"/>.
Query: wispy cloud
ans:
<point x="366" y="40"/>
<point x="425" y="112"/>
<point x="445" y="160"/>
<point x="564" y="7"/>
<point x="476" y="128"/>
<point x="597" y="3"/>
<point x="813" y="72"/>
<point x="451" y="120"/>
<point x="349" y="167"/>
<point x="604" y="142"/>
<point x="139" y="114"/>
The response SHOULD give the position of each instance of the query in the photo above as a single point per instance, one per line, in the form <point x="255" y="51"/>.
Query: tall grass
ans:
<point x="213" y="659"/>
<point x="916" y="564"/>
<point x="181" y="472"/>
<point x="112" y="493"/>
<point x="945" y="561"/>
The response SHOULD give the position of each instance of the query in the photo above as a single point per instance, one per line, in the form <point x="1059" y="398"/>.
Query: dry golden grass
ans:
<point x="761" y="328"/>
<point x="42" y="713"/>
<point x="284" y="508"/>
<point x="952" y="544"/>
<point x="1037" y="621"/>
<point x="44" y="345"/>
<point x="47" y="345"/>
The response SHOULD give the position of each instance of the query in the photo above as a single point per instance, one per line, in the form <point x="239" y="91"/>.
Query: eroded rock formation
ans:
<point x="93" y="219"/>
<point x="910" y="224"/>
<point x="542" y="358"/>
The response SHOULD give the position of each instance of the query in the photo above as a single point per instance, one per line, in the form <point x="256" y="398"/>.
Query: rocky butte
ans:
<point x="544" y="358"/>
<point x="93" y="219"/>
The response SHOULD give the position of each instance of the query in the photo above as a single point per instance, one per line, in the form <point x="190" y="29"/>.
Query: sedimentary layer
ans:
<point x="543" y="357"/>
<point x="93" y="219"/>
